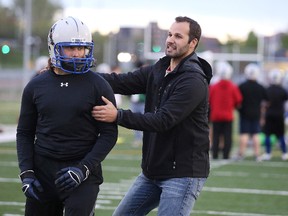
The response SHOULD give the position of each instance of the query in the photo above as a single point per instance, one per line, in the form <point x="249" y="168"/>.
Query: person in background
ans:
<point x="117" y="69"/>
<point x="105" y="68"/>
<point x="137" y="105"/>
<point x="60" y="146"/>
<point x="224" y="98"/>
<point x="285" y="86"/>
<point x="40" y="63"/>
<point x="175" y="150"/>
<point x="213" y="81"/>
<point x="254" y="95"/>
<point x="274" y="114"/>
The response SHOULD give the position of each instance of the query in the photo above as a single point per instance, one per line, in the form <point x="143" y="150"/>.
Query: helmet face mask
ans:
<point x="70" y="32"/>
<point x="72" y="64"/>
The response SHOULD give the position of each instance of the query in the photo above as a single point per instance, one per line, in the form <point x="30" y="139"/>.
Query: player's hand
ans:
<point x="30" y="185"/>
<point x="105" y="113"/>
<point x="71" y="177"/>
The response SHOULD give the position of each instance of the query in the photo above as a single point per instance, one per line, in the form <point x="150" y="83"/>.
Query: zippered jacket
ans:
<point x="175" y="122"/>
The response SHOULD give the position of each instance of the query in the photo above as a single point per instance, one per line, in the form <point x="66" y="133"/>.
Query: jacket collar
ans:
<point x="200" y="65"/>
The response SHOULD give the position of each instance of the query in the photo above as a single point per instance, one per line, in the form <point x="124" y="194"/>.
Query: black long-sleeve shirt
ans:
<point x="56" y="122"/>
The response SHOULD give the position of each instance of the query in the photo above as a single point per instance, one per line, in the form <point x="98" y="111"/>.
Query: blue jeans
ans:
<point x="173" y="197"/>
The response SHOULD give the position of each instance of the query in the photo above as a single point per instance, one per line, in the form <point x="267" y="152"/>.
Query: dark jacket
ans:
<point x="175" y="122"/>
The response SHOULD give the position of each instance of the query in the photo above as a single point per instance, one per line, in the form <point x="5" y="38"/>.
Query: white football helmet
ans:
<point x="275" y="76"/>
<point x="70" y="32"/>
<point x="224" y="70"/>
<point x="252" y="71"/>
<point x="41" y="63"/>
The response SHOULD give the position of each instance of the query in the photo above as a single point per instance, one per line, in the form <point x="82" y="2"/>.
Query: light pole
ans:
<point x="27" y="41"/>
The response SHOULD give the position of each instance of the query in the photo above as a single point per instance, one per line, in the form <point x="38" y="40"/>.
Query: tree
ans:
<point x="284" y="41"/>
<point x="9" y="29"/>
<point x="99" y="46"/>
<point x="231" y="44"/>
<point x="251" y="42"/>
<point x="246" y="46"/>
<point x="43" y="12"/>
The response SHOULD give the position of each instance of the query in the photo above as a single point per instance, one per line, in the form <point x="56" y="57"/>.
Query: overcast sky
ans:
<point x="218" y="18"/>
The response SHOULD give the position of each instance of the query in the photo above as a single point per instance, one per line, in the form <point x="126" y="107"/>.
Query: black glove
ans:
<point x="71" y="177"/>
<point x="30" y="185"/>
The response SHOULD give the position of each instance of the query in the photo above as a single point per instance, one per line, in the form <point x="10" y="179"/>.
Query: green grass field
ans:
<point x="245" y="188"/>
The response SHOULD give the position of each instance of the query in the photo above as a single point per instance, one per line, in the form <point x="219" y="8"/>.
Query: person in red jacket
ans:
<point x="224" y="98"/>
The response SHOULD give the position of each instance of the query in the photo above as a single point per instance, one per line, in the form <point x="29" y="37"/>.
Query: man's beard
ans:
<point x="177" y="54"/>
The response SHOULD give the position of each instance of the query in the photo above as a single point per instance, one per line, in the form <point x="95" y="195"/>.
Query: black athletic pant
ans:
<point x="80" y="202"/>
<point x="222" y="130"/>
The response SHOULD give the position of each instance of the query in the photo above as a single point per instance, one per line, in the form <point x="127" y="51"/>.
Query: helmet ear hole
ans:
<point x="70" y="32"/>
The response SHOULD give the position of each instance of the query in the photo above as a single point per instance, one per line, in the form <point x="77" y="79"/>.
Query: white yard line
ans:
<point x="101" y="205"/>
<point x="246" y="191"/>
<point x="115" y="191"/>
<point x="218" y="213"/>
<point x="8" y="134"/>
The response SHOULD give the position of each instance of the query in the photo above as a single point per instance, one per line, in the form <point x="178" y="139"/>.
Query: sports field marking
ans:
<point x="213" y="163"/>
<point x="218" y="213"/>
<point x="9" y="163"/>
<point x="100" y="206"/>
<point x="229" y="174"/>
<point x="280" y="164"/>
<point x="12" y="203"/>
<point x="110" y="191"/>
<point x="106" y="195"/>
<point x="120" y="169"/>
<point x="10" y="180"/>
<point x="123" y="157"/>
<point x="12" y="215"/>
<point x="246" y="191"/>
<point x="137" y="170"/>
<point x="246" y="174"/>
